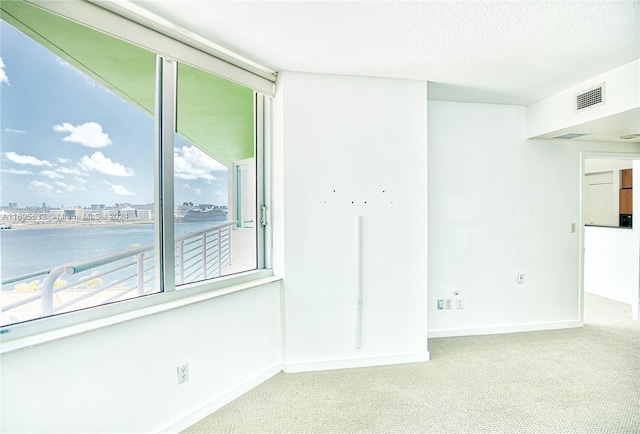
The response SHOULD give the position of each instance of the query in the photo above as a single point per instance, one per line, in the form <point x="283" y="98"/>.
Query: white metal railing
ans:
<point x="202" y="255"/>
<point x="130" y="273"/>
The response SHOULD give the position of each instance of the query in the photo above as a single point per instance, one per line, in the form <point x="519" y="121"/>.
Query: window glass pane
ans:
<point x="214" y="179"/>
<point x="77" y="197"/>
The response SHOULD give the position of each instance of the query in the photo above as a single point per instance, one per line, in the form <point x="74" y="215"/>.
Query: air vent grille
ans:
<point x="590" y="98"/>
<point x="569" y="136"/>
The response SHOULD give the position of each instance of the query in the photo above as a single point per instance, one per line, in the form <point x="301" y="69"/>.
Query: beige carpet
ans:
<point x="583" y="380"/>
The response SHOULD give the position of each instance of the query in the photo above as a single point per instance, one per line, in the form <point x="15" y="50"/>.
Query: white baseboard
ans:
<point x="359" y="362"/>
<point x="495" y="330"/>
<point x="221" y="400"/>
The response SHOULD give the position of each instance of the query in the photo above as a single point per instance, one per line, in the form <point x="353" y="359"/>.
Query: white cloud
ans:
<point x="3" y="73"/>
<point x="70" y="171"/>
<point x="12" y="130"/>
<point x="119" y="189"/>
<point x="198" y="191"/>
<point x="88" y="134"/>
<point x="191" y="163"/>
<point x="187" y="186"/>
<point x="51" y="174"/>
<point x="41" y="187"/>
<point x="26" y="159"/>
<point x="63" y="160"/>
<point x="17" y="171"/>
<point x="99" y="163"/>
<point x="79" y="180"/>
<point x="68" y="187"/>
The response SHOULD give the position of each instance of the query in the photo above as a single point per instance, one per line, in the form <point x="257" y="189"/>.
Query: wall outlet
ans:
<point x="447" y="303"/>
<point x="459" y="303"/>
<point x="183" y="373"/>
<point x="440" y="304"/>
<point x="520" y="277"/>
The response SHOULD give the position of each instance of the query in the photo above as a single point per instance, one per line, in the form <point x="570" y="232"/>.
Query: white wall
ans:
<point x="609" y="267"/>
<point x="592" y="166"/>
<point x="558" y="111"/>
<point x="606" y="210"/>
<point x="498" y="205"/>
<point x="353" y="146"/>
<point x="601" y="199"/>
<point x="123" y="378"/>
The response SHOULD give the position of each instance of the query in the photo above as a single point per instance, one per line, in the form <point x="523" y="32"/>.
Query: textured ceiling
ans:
<point x="509" y="52"/>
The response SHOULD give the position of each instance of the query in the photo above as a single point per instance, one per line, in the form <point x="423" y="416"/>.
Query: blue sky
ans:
<point x="67" y="141"/>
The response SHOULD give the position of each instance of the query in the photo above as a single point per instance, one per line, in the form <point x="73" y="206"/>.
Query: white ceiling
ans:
<point x="507" y="52"/>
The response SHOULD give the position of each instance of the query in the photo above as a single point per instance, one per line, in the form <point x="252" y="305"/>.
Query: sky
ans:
<point x="67" y="141"/>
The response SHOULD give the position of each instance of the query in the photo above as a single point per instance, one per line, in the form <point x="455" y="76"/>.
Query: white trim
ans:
<point x="166" y="100"/>
<point x="221" y="400"/>
<point x="495" y="330"/>
<point x="259" y="152"/>
<point x="267" y="180"/>
<point x="356" y="362"/>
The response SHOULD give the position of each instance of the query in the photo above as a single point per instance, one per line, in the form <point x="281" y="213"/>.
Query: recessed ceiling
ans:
<point x="505" y="52"/>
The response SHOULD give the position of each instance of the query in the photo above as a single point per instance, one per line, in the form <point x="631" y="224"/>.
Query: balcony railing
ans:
<point x="118" y="276"/>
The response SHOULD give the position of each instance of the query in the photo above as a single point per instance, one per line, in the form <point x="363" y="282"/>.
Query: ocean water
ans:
<point x="27" y="250"/>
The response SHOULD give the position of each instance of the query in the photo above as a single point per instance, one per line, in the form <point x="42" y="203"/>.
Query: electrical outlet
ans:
<point x="183" y="373"/>
<point x="520" y="277"/>
<point x="447" y="303"/>
<point x="440" y="304"/>
<point x="459" y="303"/>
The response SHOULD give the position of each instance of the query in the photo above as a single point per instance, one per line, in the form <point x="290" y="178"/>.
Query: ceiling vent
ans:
<point x="571" y="136"/>
<point x="590" y="98"/>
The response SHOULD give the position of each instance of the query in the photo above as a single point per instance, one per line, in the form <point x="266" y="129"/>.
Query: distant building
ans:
<point x="144" y="214"/>
<point x="129" y="213"/>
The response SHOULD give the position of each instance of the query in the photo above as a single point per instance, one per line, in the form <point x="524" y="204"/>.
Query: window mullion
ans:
<point x="262" y="185"/>
<point x="166" y="74"/>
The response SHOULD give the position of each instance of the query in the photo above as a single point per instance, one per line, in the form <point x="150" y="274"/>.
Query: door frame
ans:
<point x="595" y="155"/>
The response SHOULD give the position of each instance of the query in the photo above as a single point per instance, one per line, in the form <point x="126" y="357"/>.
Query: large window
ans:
<point x="86" y="217"/>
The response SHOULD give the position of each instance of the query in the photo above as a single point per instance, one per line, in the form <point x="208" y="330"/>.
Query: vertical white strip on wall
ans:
<point x="359" y="320"/>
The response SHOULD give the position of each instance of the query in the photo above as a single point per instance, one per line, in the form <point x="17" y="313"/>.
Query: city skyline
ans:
<point x="78" y="143"/>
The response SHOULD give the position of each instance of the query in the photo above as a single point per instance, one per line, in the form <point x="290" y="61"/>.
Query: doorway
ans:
<point x="609" y="252"/>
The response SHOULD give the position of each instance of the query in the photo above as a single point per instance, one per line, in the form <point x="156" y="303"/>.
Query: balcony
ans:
<point x="220" y="250"/>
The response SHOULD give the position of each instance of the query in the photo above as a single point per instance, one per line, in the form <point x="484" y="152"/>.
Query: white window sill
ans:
<point x="25" y="335"/>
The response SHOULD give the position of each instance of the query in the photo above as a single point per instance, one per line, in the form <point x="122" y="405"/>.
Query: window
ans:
<point x="98" y="203"/>
<point x="215" y="234"/>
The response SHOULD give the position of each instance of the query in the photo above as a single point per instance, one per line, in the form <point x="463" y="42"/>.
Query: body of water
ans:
<point x="24" y="251"/>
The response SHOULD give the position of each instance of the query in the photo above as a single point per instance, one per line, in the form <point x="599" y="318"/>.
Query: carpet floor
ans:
<point x="584" y="380"/>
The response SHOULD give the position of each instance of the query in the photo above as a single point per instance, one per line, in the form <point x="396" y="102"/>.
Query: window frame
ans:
<point x="25" y="334"/>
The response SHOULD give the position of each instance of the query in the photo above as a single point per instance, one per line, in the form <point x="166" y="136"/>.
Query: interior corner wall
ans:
<point x="500" y="205"/>
<point x="353" y="146"/>
<point x="123" y="378"/>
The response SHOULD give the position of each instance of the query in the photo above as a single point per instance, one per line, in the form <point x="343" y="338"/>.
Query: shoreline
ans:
<point x="27" y="226"/>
